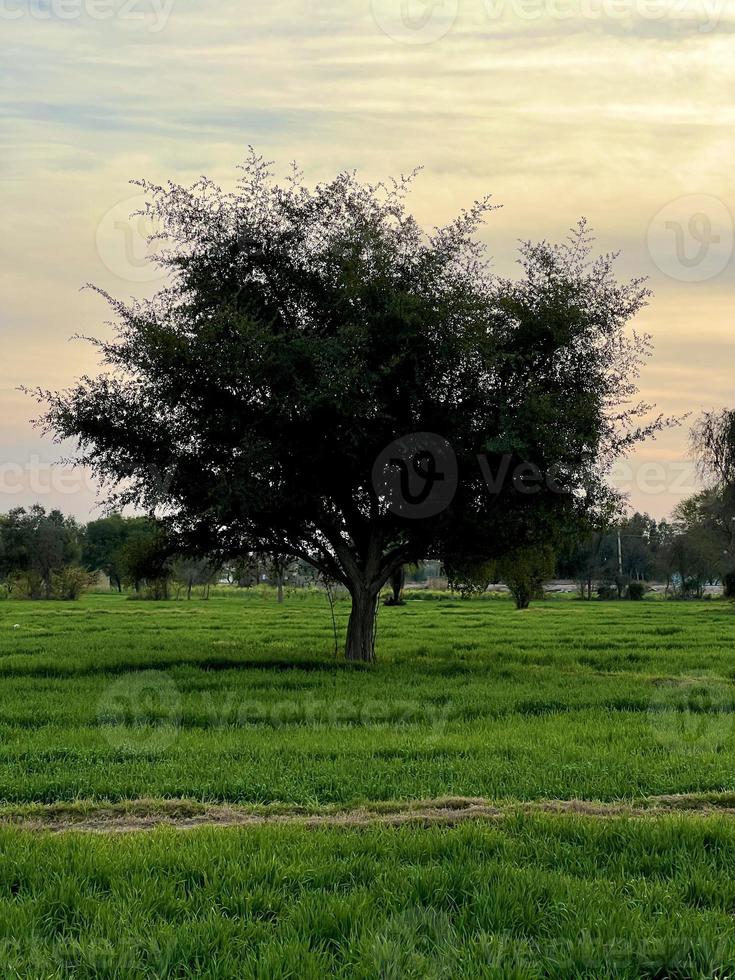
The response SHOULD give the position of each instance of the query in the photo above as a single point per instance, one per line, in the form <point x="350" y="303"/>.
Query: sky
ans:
<point x="616" y="110"/>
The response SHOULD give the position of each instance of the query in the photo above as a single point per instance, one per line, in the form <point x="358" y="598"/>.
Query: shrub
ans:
<point x="606" y="590"/>
<point x="70" y="583"/>
<point x="26" y="585"/>
<point x="636" y="591"/>
<point x="66" y="585"/>
<point x="728" y="585"/>
<point x="155" y="590"/>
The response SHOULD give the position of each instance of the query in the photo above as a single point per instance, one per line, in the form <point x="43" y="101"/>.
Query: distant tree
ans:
<point x="582" y="559"/>
<point x="14" y="555"/>
<point x="38" y="544"/>
<point x="713" y="443"/>
<point x="397" y="582"/>
<point x="35" y="547"/>
<point x="593" y="558"/>
<point x="712" y="439"/>
<point x="103" y="542"/>
<point x="277" y="569"/>
<point x="662" y="543"/>
<point x="146" y="559"/>
<point x="191" y="572"/>
<point x="263" y="399"/>
<point x="471" y="578"/>
<point x="698" y="551"/>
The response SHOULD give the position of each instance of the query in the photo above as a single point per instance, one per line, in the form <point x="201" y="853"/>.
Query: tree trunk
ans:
<point x="279" y="584"/>
<point x="522" y="598"/>
<point x="361" y="627"/>
<point x="397" y="581"/>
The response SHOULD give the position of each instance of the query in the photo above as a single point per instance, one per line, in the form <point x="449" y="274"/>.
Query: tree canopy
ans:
<point x="320" y="379"/>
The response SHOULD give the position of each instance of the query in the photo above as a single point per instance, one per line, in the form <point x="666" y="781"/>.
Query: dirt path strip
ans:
<point x="147" y="814"/>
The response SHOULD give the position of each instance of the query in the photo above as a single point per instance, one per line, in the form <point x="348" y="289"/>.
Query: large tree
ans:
<point x="319" y="376"/>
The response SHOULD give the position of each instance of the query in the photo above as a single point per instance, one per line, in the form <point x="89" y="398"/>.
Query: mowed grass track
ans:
<point x="240" y="699"/>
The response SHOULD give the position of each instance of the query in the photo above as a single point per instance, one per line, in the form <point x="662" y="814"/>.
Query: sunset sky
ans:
<point x="620" y="111"/>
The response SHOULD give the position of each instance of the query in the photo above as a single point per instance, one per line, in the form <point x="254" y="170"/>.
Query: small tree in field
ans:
<point x="191" y="572"/>
<point x="525" y="571"/>
<point x="320" y="376"/>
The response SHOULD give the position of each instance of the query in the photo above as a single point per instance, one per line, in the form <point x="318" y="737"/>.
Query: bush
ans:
<point x="636" y="591"/>
<point x="70" y="583"/>
<point x="28" y="585"/>
<point x="155" y="590"/>
<point x="728" y="585"/>
<point x="67" y="585"/>
<point x="606" y="591"/>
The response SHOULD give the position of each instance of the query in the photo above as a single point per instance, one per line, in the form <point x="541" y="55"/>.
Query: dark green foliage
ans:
<point x="645" y="552"/>
<point x="607" y="590"/>
<point x="36" y="546"/>
<point x="636" y="590"/>
<point x="728" y="584"/>
<point x="103" y="545"/>
<point x="145" y="560"/>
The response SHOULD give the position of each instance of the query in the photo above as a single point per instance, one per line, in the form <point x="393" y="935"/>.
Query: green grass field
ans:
<point x="239" y="700"/>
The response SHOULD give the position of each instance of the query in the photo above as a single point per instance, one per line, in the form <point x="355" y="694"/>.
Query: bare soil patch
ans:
<point x="148" y="814"/>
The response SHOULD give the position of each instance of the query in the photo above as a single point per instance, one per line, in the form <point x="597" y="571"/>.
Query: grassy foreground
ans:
<point x="531" y="897"/>
<point x="238" y="700"/>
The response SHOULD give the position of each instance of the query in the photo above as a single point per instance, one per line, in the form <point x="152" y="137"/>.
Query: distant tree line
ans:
<point x="45" y="555"/>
